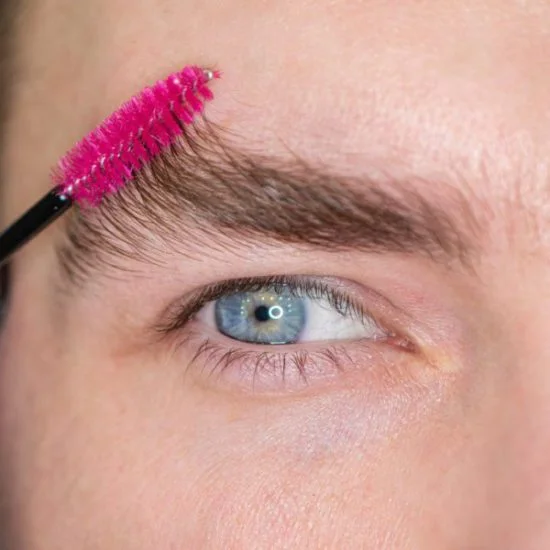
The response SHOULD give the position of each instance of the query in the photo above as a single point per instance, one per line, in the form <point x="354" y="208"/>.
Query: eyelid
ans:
<point x="204" y="351"/>
<point x="249" y="368"/>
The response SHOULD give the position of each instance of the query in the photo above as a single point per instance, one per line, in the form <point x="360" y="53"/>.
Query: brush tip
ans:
<point x="111" y="155"/>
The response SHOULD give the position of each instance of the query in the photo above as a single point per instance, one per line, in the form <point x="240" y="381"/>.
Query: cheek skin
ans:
<point x="129" y="453"/>
<point x="285" y="477"/>
<point x="131" y="457"/>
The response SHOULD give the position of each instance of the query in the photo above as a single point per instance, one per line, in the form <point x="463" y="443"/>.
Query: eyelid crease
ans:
<point x="205" y="190"/>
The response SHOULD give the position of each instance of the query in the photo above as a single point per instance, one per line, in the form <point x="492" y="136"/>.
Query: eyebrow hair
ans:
<point x="205" y="192"/>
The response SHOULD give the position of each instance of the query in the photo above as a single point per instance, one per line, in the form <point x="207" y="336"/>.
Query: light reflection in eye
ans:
<point x="280" y="315"/>
<point x="315" y="328"/>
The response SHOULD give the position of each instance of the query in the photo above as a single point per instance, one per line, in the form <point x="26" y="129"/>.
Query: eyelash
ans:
<point x="259" y="364"/>
<point x="298" y="286"/>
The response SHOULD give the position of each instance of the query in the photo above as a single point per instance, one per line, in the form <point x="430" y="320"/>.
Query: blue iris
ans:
<point x="268" y="316"/>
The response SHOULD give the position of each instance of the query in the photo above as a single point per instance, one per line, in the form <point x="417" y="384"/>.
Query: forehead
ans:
<point x="434" y="88"/>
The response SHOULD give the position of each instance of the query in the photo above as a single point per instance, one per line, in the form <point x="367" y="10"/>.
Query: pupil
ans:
<point x="262" y="313"/>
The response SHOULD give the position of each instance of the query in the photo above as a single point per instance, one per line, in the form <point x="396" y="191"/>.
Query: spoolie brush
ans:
<point x="111" y="155"/>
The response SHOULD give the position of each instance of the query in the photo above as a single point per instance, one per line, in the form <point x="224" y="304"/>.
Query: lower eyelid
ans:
<point x="215" y="359"/>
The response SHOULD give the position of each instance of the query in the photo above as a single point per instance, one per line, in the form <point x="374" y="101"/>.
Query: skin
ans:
<point x="106" y="445"/>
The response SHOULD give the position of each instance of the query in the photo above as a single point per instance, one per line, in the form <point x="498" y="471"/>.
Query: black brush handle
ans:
<point x="42" y="214"/>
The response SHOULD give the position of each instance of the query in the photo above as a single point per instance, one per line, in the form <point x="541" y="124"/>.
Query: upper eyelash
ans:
<point x="215" y="357"/>
<point x="298" y="285"/>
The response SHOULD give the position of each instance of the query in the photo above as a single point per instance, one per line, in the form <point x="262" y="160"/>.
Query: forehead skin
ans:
<point x="427" y="85"/>
<point x="434" y="88"/>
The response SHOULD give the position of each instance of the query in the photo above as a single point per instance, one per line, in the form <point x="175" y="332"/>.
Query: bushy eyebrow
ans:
<point x="207" y="191"/>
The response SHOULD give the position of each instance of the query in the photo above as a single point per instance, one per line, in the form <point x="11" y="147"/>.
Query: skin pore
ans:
<point x="436" y="436"/>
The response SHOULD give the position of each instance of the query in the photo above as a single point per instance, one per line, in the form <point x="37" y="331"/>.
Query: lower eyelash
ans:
<point x="268" y="370"/>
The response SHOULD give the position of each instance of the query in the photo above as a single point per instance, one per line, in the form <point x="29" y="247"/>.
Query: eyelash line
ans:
<point x="299" y="286"/>
<point x="216" y="359"/>
<point x="297" y="367"/>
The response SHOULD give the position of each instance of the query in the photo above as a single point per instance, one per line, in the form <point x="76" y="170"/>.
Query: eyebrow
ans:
<point x="206" y="192"/>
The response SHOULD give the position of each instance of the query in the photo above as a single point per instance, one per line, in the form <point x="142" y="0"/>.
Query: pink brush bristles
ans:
<point x="105" y="160"/>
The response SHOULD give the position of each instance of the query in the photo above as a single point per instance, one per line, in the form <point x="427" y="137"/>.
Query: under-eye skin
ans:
<point x="281" y="333"/>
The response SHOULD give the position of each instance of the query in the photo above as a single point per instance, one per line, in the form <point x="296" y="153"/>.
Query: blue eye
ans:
<point x="285" y="314"/>
<point x="312" y="325"/>
<point x="266" y="317"/>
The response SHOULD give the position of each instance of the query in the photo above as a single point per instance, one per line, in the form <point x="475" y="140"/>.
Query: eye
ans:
<point x="281" y="314"/>
<point x="282" y="333"/>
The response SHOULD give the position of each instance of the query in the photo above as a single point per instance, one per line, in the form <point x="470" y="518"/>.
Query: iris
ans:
<point x="269" y="316"/>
